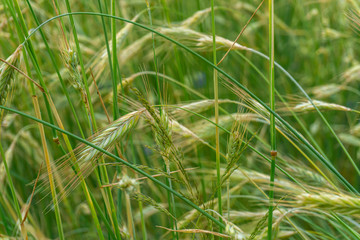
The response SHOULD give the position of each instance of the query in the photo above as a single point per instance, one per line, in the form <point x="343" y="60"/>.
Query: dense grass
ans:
<point x="145" y="120"/>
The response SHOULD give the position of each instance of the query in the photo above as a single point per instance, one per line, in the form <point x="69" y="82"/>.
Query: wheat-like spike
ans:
<point x="328" y="202"/>
<point x="196" y="18"/>
<point x="124" y="55"/>
<point x="161" y="127"/>
<point x="352" y="74"/>
<point x="71" y="62"/>
<point x="197" y="107"/>
<point x="203" y="129"/>
<point x="100" y="59"/>
<point x="199" y="41"/>
<point x="236" y="147"/>
<point x="110" y="135"/>
<point x="327" y="90"/>
<point x="185" y="132"/>
<point x="350" y="139"/>
<point x="241" y="174"/>
<point x="307" y="106"/>
<point x="9" y="154"/>
<point x="7" y="74"/>
<point x="308" y="176"/>
<point x="148" y="200"/>
<point x="235" y="144"/>
<point x="355" y="130"/>
<point x="250" y="216"/>
<point x="254" y="106"/>
<point x="86" y="156"/>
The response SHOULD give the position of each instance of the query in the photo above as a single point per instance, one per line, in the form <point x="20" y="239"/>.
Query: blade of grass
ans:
<point x="216" y="97"/>
<point x="12" y="188"/>
<point x="272" y="117"/>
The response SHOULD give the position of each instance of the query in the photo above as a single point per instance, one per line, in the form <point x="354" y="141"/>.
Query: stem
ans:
<point x="11" y="184"/>
<point x="49" y="171"/>
<point x="83" y="72"/>
<point x="76" y="168"/>
<point x="114" y="62"/>
<point x="272" y="116"/>
<point x="155" y="60"/>
<point x="216" y="96"/>
<point x="52" y="57"/>
<point x="92" y="123"/>
<point x="22" y="32"/>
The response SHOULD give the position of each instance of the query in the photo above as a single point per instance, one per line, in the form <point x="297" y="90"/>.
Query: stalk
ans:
<point x="53" y="61"/>
<point x="48" y="168"/>
<point x="91" y="114"/>
<point x="106" y="43"/>
<point x="272" y="117"/>
<point x="114" y="62"/>
<point x="115" y="75"/>
<point x="171" y="200"/>
<point x="142" y="219"/>
<point x="22" y="34"/>
<point x="12" y="189"/>
<point x="93" y="126"/>
<point x="77" y="170"/>
<point x="216" y="96"/>
<point x="155" y="60"/>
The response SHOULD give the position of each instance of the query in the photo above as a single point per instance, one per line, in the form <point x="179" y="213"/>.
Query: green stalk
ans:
<point x="248" y="145"/>
<point x="92" y="122"/>
<point x="142" y="219"/>
<point x="216" y="96"/>
<point x="114" y="84"/>
<point x="52" y="57"/>
<point x="132" y="166"/>
<point x="171" y="199"/>
<point x="11" y="185"/>
<point x="155" y="60"/>
<point x="22" y="32"/>
<point x="286" y="104"/>
<point x="272" y="117"/>
<point x="251" y="94"/>
<point x="114" y="62"/>
<point x="76" y="168"/>
<point x="48" y="168"/>
<point x="316" y="108"/>
<point x="106" y="42"/>
<point x="83" y="72"/>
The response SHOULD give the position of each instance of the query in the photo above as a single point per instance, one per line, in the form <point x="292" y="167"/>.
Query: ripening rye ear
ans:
<point x="86" y="156"/>
<point x="7" y="74"/>
<point x="354" y="18"/>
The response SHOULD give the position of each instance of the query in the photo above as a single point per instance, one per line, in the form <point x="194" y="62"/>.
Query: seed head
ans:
<point x="7" y="74"/>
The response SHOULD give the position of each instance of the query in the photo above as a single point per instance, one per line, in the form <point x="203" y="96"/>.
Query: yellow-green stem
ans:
<point x="272" y="116"/>
<point x="216" y="97"/>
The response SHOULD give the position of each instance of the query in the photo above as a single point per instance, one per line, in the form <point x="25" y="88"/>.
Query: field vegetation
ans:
<point x="169" y="119"/>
